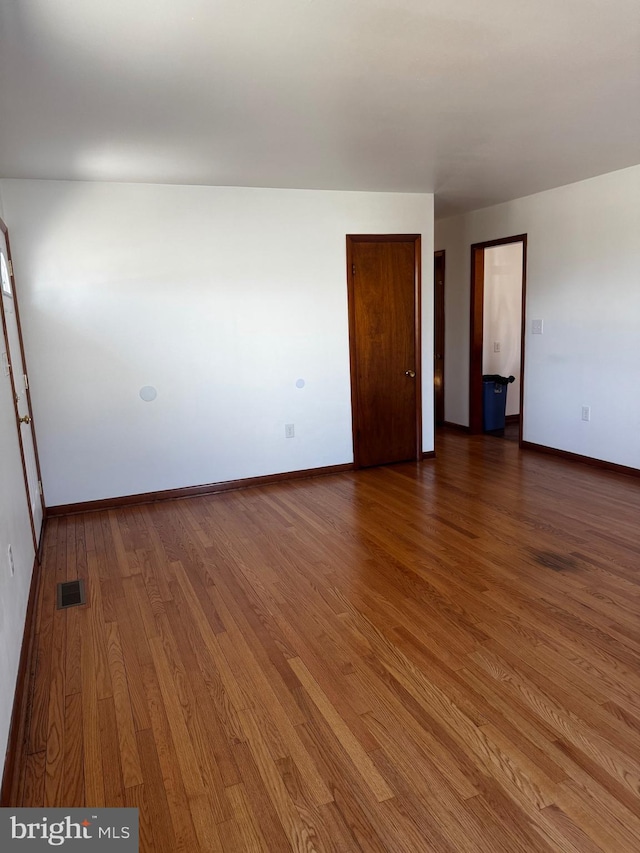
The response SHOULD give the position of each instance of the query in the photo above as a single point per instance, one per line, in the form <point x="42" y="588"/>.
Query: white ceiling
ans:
<point x="479" y="101"/>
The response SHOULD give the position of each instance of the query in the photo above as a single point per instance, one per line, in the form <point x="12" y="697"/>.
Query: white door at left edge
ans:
<point x="13" y="362"/>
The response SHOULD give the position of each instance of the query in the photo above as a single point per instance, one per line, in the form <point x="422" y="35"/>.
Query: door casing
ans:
<point x="438" y="335"/>
<point x="36" y="534"/>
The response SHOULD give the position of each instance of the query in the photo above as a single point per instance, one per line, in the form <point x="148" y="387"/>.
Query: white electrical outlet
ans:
<point x="12" y="568"/>
<point x="289" y="431"/>
<point x="537" y="327"/>
<point x="586" y="413"/>
<point x="496" y="346"/>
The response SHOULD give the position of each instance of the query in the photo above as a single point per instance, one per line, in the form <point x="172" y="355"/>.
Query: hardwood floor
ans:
<point x="441" y="656"/>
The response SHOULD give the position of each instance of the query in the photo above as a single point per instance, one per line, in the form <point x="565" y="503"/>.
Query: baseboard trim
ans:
<point x="20" y="708"/>
<point x="577" y="457"/>
<point x="512" y="419"/>
<point x="194" y="491"/>
<point x="459" y="427"/>
<point x="428" y="454"/>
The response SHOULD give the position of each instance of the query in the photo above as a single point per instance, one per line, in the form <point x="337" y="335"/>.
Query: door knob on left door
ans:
<point x="410" y="373"/>
<point x="25" y="419"/>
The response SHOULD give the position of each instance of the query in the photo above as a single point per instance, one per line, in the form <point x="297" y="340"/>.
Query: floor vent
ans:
<point x="71" y="593"/>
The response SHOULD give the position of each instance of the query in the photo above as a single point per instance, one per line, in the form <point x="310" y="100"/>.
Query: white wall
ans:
<point x="502" y="317"/>
<point x="221" y="298"/>
<point x="583" y="281"/>
<point x="15" y="530"/>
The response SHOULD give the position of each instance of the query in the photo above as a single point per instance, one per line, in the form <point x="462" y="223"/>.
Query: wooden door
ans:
<point x="384" y="295"/>
<point x="438" y="341"/>
<point x="13" y="362"/>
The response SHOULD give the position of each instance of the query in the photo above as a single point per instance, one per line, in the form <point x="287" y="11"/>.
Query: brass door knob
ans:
<point x="410" y="373"/>
<point x="25" y="419"/>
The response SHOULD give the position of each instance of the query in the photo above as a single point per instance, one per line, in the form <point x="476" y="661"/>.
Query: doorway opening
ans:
<point x="383" y="282"/>
<point x="498" y="304"/>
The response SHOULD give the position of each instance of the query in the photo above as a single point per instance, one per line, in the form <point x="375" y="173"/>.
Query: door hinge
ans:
<point x="10" y="266"/>
<point x="40" y="489"/>
<point x="353" y="269"/>
<point x="26" y="381"/>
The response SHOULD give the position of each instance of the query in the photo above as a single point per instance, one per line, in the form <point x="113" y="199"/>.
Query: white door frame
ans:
<point x="22" y="402"/>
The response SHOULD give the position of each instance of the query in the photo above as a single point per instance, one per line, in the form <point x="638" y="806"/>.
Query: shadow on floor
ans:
<point x="510" y="432"/>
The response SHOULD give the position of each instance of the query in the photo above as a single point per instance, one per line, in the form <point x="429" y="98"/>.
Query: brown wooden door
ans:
<point x="438" y="342"/>
<point x="385" y="363"/>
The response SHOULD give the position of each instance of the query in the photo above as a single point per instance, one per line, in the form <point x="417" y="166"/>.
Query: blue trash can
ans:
<point x="494" y="401"/>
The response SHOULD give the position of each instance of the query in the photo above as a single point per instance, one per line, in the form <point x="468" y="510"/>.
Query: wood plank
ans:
<point x="164" y="838"/>
<point x="54" y="782"/>
<point x="92" y="749"/>
<point x="73" y="761"/>
<point x="135" y="798"/>
<point x="352" y="747"/>
<point x="38" y="722"/>
<point x="172" y="781"/>
<point x="98" y="629"/>
<point x="114" y="792"/>
<point x="130" y="760"/>
<point x="300" y="831"/>
<point x="33" y="782"/>
<point x="249" y="834"/>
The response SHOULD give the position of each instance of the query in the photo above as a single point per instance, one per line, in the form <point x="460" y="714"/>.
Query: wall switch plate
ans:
<point x="537" y="327"/>
<point x="289" y="431"/>
<point x="496" y="346"/>
<point x="586" y="413"/>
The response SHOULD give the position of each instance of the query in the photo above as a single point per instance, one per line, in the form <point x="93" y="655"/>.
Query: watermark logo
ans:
<point x="25" y="830"/>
